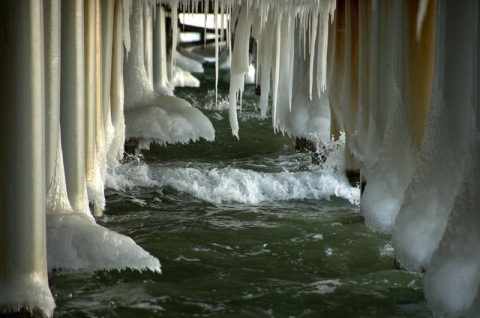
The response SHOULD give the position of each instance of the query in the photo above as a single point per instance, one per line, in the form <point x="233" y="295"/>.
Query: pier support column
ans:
<point x="351" y="87"/>
<point x="72" y="109"/>
<point x="23" y="258"/>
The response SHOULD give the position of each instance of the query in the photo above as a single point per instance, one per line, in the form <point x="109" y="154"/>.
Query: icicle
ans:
<point x="207" y="8"/>
<point x="266" y="46"/>
<point x="291" y="56"/>
<point x="127" y="11"/>
<point x="313" y="36"/>
<point x="422" y="11"/>
<point x="115" y="153"/>
<point x="222" y="11"/>
<point x="215" y="12"/>
<point x="240" y="63"/>
<point x="174" y="25"/>
<point x="276" y="73"/>
<point x="322" y="54"/>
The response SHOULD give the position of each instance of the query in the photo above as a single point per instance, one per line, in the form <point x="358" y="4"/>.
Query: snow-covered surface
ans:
<point x="168" y="120"/>
<point x="76" y="243"/>
<point x="27" y="291"/>
<point x="183" y="78"/>
<point x="188" y="64"/>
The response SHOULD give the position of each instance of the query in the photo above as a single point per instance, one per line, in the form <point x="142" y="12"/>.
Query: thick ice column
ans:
<point x="351" y="86"/>
<point x="72" y="112"/>
<point x="90" y="91"/>
<point x="148" y="39"/>
<point x="107" y="12"/>
<point x="393" y="170"/>
<point x="52" y="84"/>
<point x="138" y="88"/>
<point x="453" y="276"/>
<point x="115" y="152"/>
<point x="336" y="66"/>
<point x="160" y="74"/>
<point x="360" y="143"/>
<point x="417" y="65"/>
<point x="309" y="117"/>
<point x="383" y="76"/>
<point x="100" y="129"/>
<point x="377" y="86"/>
<point x="283" y="75"/>
<point x="94" y="126"/>
<point x="23" y="260"/>
<point x="265" y="49"/>
<point x="240" y="62"/>
<point x="57" y="199"/>
<point x="430" y="196"/>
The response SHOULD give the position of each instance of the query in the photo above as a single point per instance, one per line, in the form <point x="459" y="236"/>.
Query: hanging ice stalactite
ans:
<point x="313" y="36"/>
<point x="215" y="11"/>
<point x="240" y="63"/>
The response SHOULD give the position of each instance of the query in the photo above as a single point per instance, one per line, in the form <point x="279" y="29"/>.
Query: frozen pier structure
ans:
<point x="399" y="78"/>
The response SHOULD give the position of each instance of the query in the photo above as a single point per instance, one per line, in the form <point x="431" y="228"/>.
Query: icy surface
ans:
<point x="188" y="64"/>
<point x="183" y="78"/>
<point x="169" y="120"/>
<point x="383" y="195"/>
<point x="28" y="291"/>
<point x="76" y="242"/>
<point x="453" y="277"/>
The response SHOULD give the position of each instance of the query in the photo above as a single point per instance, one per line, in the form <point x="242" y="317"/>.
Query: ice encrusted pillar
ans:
<point x="452" y="280"/>
<point x="117" y="91"/>
<point x="359" y="143"/>
<point x="72" y="112"/>
<point x="57" y="199"/>
<point x="351" y="87"/>
<point x="23" y="259"/>
<point x="336" y="67"/>
<point x="148" y="39"/>
<point x="430" y="196"/>
<point x="392" y="172"/>
<point x="160" y="74"/>
<point x="94" y="125"/>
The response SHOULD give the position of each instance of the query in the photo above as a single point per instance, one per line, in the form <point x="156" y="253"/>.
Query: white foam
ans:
<point x="229" y="184"/>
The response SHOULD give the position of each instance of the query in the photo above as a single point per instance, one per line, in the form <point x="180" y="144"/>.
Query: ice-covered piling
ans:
<point x="390" y="175"/>
<point x="23" y="264"/>
<point x="438" y="173"/>
<point x="440" y="211"/>
<point x="149" y="116"/>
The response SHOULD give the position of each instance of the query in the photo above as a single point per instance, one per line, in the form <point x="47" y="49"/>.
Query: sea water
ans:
<point x="243" y="228"/>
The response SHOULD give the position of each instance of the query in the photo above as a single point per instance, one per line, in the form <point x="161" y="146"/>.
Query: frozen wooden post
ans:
<point x="415" y="65"/>
<point x="72" y="109"/>
<point x="351" y="87"/>
<point x="23" y="259"/>
<point x="336" y="68"/>
<point x="160" y="73"/>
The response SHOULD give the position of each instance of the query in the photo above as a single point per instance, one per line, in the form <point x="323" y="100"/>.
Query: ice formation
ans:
<point x="169" y="119"/>
<point x="76" y="243"/>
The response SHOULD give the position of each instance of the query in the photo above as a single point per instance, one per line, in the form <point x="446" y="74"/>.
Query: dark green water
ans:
<point x="242" y="228"/>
